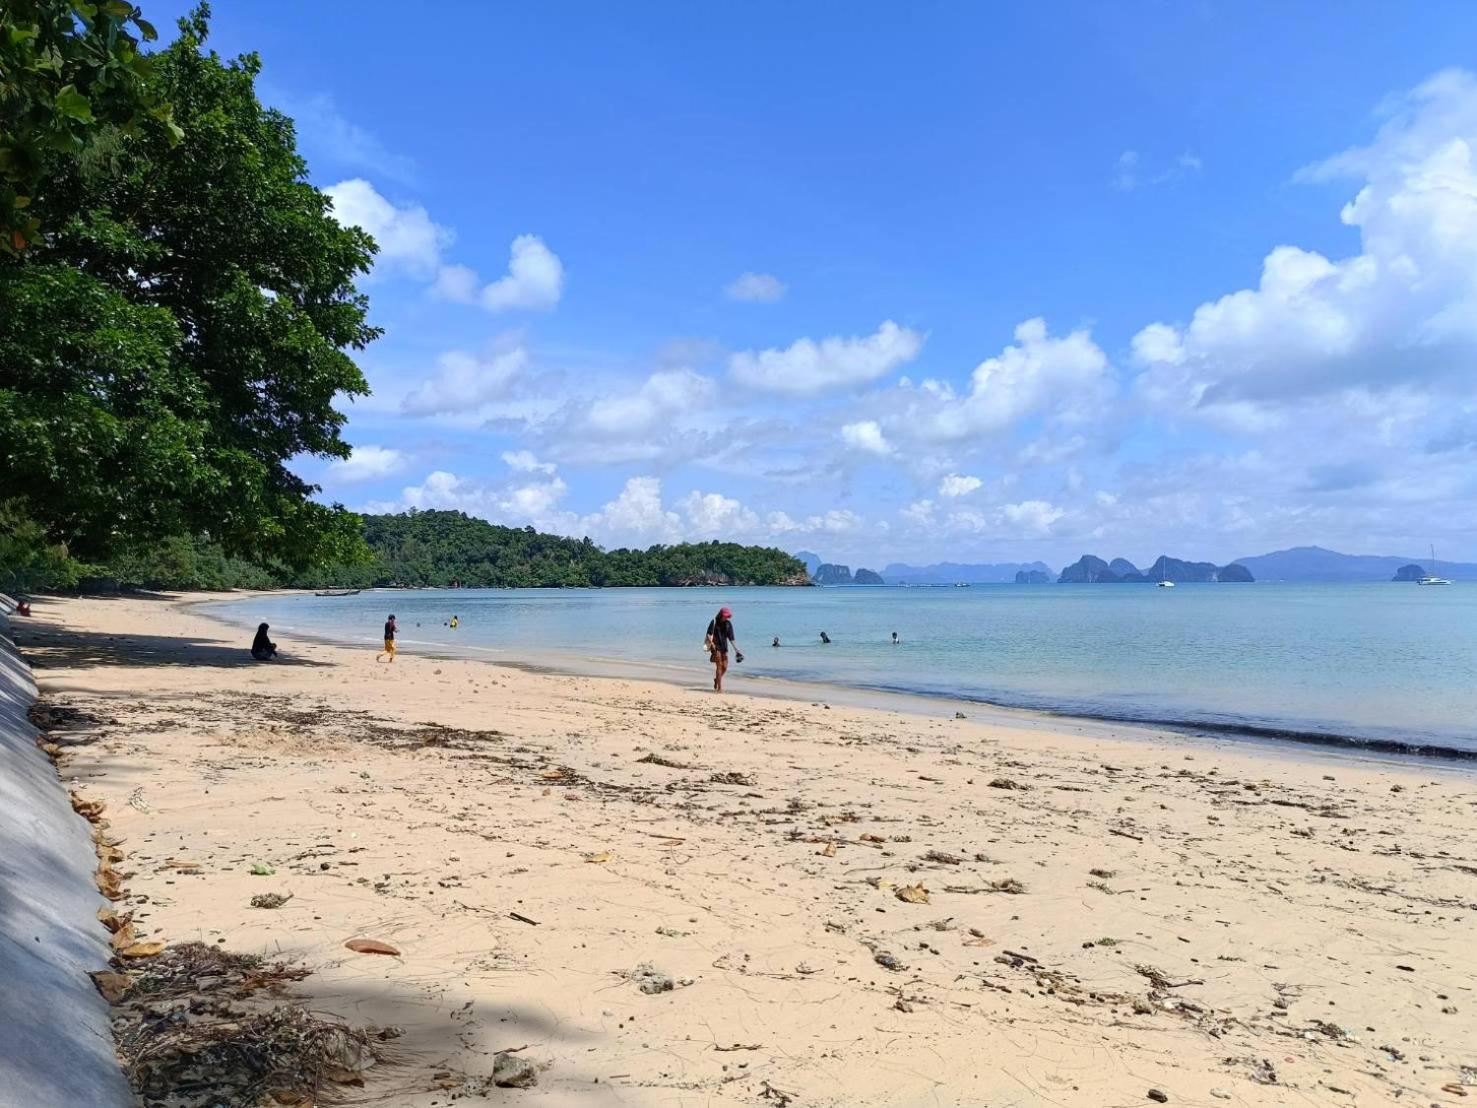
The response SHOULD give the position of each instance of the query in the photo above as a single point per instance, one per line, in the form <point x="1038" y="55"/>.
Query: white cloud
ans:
<point x="523" y="461"/>
<point x="1400" y="313"/>
<point x="957" y="484"/>
<point x="1034" y="517"/>
<point x="366" y="463"/>
<point x="635" y="517"/>
<point x="464" y="382"/>
<point x="663" y="396"/>
<point x="1068" y="377"/>
<point x="866" y="436"/>
<point x="713" y="515"/>
<point x="807" y="367"/>
<point x="534" y="282"/>
<point x="408" y="240"/>
<point x="755" y="287"/>
<point x="515" y="505"/>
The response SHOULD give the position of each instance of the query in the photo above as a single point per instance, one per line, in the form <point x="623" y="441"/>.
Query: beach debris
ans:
<point x="285" y="1056"/>
<point x="829" y="850"/>
<point x="113" y="987"/>
<point x="902" y="1005"/>
<point x="732" y="777"/>
<point x="651" y="980"/>
<point x="270" y="900"/>
<point x="512" y="1072"/>
<point x="1007" y="783"/>
<point x="1104" y="874"/>
<point x="259" y="869"/>
<point x="90" y="810"/>
<point x="912" y="894"/>
<point x="523" y="919"/>
<point x="960" y="715"/>
<point x="781" y="1098"/>
<point x="738" y="1046"/>
<point x="655" y="759"/>
<point x="868" y="837"/>
<point x="371" y="946"/>
<point x="601" y="858"/>
<point x="1159" y="1096"/>
<point x="942" y="858"/>
<point x="887" y="960"/>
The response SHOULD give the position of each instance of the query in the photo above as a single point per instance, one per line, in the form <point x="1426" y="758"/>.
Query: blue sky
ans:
<point x="1020" y="282"/>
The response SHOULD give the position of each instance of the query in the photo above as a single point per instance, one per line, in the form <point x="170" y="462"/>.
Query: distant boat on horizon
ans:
<point x="1164" y="582"/>
<point x="1430" y="578"/>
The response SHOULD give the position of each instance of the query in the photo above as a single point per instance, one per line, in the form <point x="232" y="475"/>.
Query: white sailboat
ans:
<point x="1430" y="578"/>
<point x="1164" y="582"/>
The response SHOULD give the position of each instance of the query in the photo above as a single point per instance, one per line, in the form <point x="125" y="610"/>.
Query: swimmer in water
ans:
<point x="825" y="638"/>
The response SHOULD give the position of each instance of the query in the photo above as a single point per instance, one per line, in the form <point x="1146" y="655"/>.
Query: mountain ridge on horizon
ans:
<point x="1310" y="563"/>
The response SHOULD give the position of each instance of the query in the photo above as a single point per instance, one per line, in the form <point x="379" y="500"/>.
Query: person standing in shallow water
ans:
<point x="389" y="640"/>
<point x="720" y="635"/>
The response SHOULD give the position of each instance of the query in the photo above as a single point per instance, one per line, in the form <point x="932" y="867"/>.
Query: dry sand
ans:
<point x="1221" y="923"/>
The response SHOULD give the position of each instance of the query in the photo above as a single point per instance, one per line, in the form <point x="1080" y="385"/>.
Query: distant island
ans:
<point x="1092" y="570"/>
<point x="828" y="574"/>
<point x="1315" y="563"/>
<point x="1032" y="577"/>
<point x="961" y="573"/>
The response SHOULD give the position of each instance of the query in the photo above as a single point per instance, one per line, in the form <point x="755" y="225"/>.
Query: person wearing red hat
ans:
<point x="720" y="635"/>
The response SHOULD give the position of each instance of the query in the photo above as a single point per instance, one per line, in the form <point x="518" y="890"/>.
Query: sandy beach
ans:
<point x="852" y="906"/>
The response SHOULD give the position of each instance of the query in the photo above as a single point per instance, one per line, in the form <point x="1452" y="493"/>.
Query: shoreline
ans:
<point x="658" y="896"/>
<point x="1431" y="750"/>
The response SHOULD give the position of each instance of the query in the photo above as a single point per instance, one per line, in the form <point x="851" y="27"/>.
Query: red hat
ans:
<point x="725" y="612"/>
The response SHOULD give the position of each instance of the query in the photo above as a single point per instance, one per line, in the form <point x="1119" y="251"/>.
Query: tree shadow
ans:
<point x="49" y="647"/>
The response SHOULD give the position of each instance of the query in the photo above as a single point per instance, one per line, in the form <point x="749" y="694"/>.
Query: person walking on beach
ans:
<point x="720" y="635"/>
<point x="389" y="640"/>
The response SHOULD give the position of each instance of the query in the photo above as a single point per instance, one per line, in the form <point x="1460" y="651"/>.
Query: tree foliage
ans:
<point x="68" y="70"/>
<point x="442" y="548"/>
<point x="183" y="326"/>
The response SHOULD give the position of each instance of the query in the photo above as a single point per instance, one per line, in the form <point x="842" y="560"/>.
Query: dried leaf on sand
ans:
<point x="602" y="857"/>
<point x="913" y="894"/>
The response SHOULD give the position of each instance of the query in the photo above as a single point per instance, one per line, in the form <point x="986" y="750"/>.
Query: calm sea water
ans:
<point x="1389" y="665"/>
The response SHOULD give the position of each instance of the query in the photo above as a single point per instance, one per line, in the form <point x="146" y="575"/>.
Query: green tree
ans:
<point x="181" y="332"/>
<point x="69" y="69"/>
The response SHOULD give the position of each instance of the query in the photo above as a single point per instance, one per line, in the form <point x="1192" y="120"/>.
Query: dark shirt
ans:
<point x="722" y="632"/>
<point x="389" y="630"/>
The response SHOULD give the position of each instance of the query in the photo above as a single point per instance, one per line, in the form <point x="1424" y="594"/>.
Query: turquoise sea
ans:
<point x="1388" y="666"/>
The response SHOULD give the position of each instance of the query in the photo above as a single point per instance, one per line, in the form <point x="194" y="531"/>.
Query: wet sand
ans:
<point x="854" y="905"/>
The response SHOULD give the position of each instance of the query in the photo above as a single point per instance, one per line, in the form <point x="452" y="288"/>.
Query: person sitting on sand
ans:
<point x="263" y="649"/>
<point x="389" y="640"/>
<point x="825" y="637"/>
<point x="720" y="634"/>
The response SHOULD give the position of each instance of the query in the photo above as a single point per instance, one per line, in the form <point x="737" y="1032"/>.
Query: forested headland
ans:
<point x="179" y="312"/>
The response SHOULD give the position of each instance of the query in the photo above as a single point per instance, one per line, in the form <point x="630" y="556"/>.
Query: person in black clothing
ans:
<point x="825" y="637"/>
<point x="262" y="648"/>
<point x="389" y="640"/>
<point x="720" y="635"/>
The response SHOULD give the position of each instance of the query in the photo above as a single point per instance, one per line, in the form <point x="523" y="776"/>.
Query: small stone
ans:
<point x="511" y="1072"/>
<point x="1159" y="1096"/>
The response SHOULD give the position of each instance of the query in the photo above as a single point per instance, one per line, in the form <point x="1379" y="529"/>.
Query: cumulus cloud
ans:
<point x="534" y="281"/>
<point x="807" y="367"/>
<point x="866" y="436"/>
<point x="1400" y="313"/>
<point x="636" y="517"/>
<point x="409" y="241"/>
<point x="514" y="504"/>
<point x="663" y="395"/>
<point x="366" y="463"/>
<point x="755" y="288"/>
<point x="464" y="381"/>
<point x="1068" y="377"/>
<point x="713" y="515"/>
<point x="957" y="484"/>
